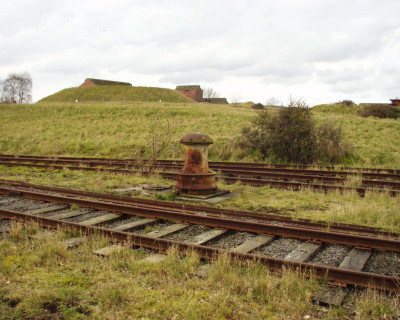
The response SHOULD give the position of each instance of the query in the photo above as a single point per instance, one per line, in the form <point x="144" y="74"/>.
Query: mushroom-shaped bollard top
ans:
<point x="196" y="138"/>
<point x="195" y="176"/>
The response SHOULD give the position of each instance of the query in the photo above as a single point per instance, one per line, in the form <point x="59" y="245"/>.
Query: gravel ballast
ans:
<point x="387" y="263"/>
<point x="331" y="256"/>
<point x="188" y="233"/>
<point x="279" y="248"/>
<point x="231" y="241"/>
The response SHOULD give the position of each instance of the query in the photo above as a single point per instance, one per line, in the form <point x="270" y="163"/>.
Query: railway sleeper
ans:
<point x="353" y="262"/>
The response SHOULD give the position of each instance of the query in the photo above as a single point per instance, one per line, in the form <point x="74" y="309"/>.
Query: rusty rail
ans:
<point x="215" y="163"/>
<point x="215" y="222"/>
<point x="339" y="227"/>
<point x="350" y="277"/>
<point x="225" y="167"/>
<point x="254" y="182"/>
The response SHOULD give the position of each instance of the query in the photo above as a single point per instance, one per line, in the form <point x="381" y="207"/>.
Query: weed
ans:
<point x="381" y="111"/>
<point x="291" y="135"/>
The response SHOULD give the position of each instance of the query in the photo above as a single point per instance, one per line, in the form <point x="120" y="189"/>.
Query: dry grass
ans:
<point x="40" y="279"/>
<point x="375" y="209"/>
<point x="117" y="129"/>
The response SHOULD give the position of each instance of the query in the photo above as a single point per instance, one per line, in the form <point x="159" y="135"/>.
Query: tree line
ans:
<point x="16" y="88"/>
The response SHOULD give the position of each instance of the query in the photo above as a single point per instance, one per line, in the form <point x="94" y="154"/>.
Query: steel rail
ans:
<point x="254" y="182"/>
<point x="339" y="227"/>
<point x="214" y="165"/>
<point x="315" y="173"/>
<point x="216" y="222"/>
<point x="355" y="278"/>
<point x="217" y="163"/>
<point x="229" y="169"/>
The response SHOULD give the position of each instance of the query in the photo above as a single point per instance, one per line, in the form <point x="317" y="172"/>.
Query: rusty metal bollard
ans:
<point x="196" y="177"/>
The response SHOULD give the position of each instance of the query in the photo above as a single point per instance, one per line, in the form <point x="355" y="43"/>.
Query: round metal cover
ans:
<point x="155" y="187"/>
<point x="196" y="138"/>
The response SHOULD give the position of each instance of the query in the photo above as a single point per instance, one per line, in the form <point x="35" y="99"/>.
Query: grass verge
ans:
<point x="41" y="279"/>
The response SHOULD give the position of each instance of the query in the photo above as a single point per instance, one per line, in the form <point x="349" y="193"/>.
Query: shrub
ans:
<point x="381" y="111"/>
<point x="257" y="106"/>
<point x="331" y="146"/>
<point x="290" y="135"/>
<point x="348" y="103"/>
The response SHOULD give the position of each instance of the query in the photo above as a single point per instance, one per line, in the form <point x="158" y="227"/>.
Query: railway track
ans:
<point x="228" y="172"/>
<point x="216" y="163"/>
<point x="210" y="232"/>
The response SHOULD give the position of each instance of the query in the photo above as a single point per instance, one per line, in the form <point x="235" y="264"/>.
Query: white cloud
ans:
<point x="318" y="50"/>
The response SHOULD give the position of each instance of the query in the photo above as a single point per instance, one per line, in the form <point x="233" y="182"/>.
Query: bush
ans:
<point x="291" y="135"/>
<point x="347" y="103"/>
<point x="331" y="146"/>
<point x="381" y="111"/>
<point x="258" y="106"/>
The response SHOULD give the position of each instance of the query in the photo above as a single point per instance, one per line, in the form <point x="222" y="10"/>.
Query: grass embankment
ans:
<point x="376" y="142"/>
<point x="41" y="279"/>
<point x="117" y="93"/>
<point x="116" y="129"/>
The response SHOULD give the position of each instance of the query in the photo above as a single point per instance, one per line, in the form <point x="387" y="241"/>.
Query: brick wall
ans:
<point x="87" y="83"/>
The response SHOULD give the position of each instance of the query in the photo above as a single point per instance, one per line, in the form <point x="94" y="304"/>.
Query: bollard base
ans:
<point x="217" y="196"/>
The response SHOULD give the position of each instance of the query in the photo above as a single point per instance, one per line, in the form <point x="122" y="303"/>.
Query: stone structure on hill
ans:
<point x="192" y="91"/>
<point x="395" y="102"/>
<point x="90" y="82"/>
<point x="196" y="93"/>
<point x="214" y="100"/>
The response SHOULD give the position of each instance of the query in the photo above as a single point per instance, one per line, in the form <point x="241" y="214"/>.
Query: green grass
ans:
<point x="337" y="109"/>
<point x="376" y="142"/>
<point x="119" y="129"/>
<point x="113" y="129"/>
<point x="375" y="209"/>
<point x="117" y="93"/>
<point x="41" y="279"/>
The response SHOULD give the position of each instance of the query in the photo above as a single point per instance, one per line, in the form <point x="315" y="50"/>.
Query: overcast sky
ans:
<point x="321" y="51"/>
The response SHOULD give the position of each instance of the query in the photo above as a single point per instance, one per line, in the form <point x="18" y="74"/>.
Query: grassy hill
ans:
<point x="117" y="93"/>
<point x="116" y="129"/>
<point x="338" y="108"/>
<point x="77" y="284"/>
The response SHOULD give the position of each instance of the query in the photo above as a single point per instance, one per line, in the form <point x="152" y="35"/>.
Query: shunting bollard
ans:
<point x="196" y="177"/>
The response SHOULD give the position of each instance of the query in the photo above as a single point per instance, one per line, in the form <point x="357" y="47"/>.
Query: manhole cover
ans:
<point x="155" y="187"/>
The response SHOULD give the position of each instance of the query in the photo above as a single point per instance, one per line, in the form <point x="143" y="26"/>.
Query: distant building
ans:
<point x="196" y="93"/>
<point x="89" y="82"/>
<point x="214" y="100"/>
<point x="193" y="91"/>
<point x="395" y="102"/>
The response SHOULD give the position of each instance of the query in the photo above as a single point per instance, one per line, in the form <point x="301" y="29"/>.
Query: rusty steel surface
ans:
<point x="196" y="177"/>
<point x="248" y="167"/>
<point x="247" y="181"/>
<point x="349" y="277"/>
<point x="215" y="222"/>
<point x="340" y="227"/>
<point x="196" y="138"/>
<point x="232" y="165"/>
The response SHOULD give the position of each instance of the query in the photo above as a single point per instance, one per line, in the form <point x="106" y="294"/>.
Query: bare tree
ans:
<point x="160" y="141"/>
<point x="210" y="93"/>
<point x="273" y="102"/>
<point x="17" y="88"/>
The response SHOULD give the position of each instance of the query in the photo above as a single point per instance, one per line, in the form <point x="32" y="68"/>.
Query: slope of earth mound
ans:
<point x="117" y="93"/>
